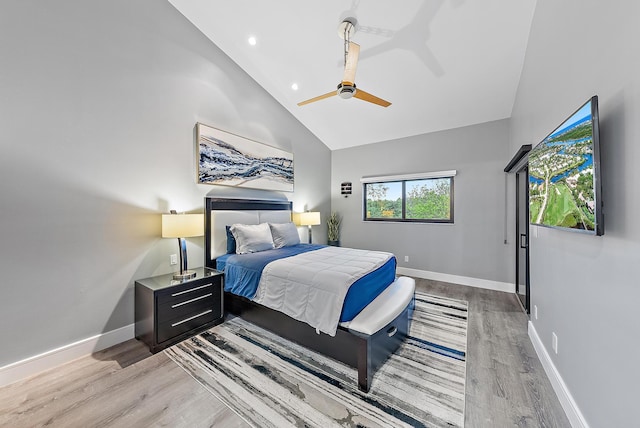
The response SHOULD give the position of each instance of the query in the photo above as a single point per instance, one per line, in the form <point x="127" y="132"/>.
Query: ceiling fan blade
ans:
<point x="318" y="98"/>
<point x="351" y="64"/>
<point x="365" y="96"/>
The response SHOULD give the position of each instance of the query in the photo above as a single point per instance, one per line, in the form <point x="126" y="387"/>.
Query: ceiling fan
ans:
<point x="347" y="88"/>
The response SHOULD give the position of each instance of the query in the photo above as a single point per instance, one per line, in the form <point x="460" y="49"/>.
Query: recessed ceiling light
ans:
<point x="294" y="86"/>
<point x="252" y="40"/>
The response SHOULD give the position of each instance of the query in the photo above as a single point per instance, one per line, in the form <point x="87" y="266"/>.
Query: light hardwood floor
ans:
<point x="123" y="386"/>
<point x="126" y="386"/>
<point x="506" y="385"/>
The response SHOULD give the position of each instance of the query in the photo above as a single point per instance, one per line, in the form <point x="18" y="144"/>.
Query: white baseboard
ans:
<point x="457" y="279"/>
<point x="569" y="405"/>
<point x="29" y="366"/>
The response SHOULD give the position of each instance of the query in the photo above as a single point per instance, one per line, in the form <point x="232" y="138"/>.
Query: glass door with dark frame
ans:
<point x="522" y="236"/>
<point x="519" y="166"/>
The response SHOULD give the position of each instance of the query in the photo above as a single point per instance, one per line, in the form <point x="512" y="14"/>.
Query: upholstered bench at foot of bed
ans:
<point x="384" y="324"/>
<point x="385" y="308"/>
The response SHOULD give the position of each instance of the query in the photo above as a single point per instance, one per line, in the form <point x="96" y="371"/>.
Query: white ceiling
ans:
<point x="442" y="63"/>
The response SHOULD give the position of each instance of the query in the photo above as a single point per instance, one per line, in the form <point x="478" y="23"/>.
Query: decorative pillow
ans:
<point x="251" y="238"/>
<point x="231" y="241"/>
<point x="284" y="234"/>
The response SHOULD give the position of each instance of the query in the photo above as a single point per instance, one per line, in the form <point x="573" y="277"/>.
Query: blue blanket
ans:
<point x="242" y="271"/>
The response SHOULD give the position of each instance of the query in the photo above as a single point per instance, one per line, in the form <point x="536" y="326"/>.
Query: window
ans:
<point x="426" y="198"/>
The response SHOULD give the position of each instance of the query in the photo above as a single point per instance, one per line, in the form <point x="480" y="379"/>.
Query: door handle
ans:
<point x="523" y="241"/>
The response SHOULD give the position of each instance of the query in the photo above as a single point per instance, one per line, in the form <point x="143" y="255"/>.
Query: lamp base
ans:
<point x="187" y="274"/>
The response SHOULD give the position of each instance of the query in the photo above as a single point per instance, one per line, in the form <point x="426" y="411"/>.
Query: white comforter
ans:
<point x="311" y="287"/>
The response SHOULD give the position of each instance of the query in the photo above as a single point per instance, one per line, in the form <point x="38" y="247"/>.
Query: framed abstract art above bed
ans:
<point x="231" y="160"/>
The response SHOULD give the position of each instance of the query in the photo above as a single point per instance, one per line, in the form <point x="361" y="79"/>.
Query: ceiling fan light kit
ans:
<point x="347" y="88"/>
<point x="346" y="91"/>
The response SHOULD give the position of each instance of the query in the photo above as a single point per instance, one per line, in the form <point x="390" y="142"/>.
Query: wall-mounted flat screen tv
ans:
<point x="564" y="175"/>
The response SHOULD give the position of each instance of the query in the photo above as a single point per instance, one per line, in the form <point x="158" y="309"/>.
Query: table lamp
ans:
<point x="309" y="218"/>
<point x="182" y="226"/>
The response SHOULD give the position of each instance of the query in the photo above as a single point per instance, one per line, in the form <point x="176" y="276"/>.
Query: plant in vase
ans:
<point x="333" y="228"/>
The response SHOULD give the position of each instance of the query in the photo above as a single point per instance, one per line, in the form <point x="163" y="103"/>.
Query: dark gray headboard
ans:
<point x="222" y="211"/>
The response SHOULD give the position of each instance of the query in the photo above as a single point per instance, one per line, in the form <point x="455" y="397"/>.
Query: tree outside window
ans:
<point x="426" y="200"/>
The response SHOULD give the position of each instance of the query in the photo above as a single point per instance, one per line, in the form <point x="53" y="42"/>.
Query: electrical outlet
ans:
<point x="554" y="342"/>
<point x="173" y="259"/>
<point x="535" y="311"/>
<point x="406" y="259"/>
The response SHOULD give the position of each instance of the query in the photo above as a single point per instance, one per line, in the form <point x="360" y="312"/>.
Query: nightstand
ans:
<point x="169" y="311"/>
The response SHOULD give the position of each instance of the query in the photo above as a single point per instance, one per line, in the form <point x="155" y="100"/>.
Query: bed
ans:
<point x="367" y="332"/>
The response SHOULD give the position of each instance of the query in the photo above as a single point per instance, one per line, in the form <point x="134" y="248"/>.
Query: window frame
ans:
<point x="403" y="180"/>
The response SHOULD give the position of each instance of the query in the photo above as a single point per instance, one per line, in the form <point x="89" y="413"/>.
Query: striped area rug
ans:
<point x="272" y="382"/>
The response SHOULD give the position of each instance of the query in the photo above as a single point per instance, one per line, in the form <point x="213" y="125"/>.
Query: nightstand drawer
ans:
<point x="185" y="305"/>
<point x="169" y="330"/>
<point x="188" y="291"/>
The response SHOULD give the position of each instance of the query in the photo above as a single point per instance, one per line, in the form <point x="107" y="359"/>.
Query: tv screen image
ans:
<point x="564" y="175"/>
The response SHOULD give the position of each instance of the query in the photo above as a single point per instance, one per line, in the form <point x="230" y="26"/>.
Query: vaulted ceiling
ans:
<point x="441" y="63"/>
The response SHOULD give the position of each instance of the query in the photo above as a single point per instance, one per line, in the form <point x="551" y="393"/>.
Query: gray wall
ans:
<point x="586" y="288"/>
<point x="474" y="245"/>
<point x="98" y="102"/>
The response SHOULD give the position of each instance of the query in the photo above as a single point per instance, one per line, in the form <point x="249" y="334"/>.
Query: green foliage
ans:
<point x="425" y="200"/>
<point x="384" y="209"/>
<point x="585" y="186"/>
<point x="378" y="206"/>
<point x="534" y="209"/>
<point x="429" y="202"/>
<point x="569" y="221"/>
<point x="333" y="226"/>
<point x="581" y="131"/>
<point x="559" y="206"/>
<point x="567" y="204"/>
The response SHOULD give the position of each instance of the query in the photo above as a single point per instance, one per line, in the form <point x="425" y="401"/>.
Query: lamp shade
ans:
<point x="309" y="218"/>
<point x="182" y="225"/>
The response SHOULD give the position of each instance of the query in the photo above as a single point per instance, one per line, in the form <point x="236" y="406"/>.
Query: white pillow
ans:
<point x="251" y="238"/>
<point x="284" y="234"/>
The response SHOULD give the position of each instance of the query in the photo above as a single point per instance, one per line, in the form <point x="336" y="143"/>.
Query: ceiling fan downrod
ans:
<point x="346" y="30"/>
